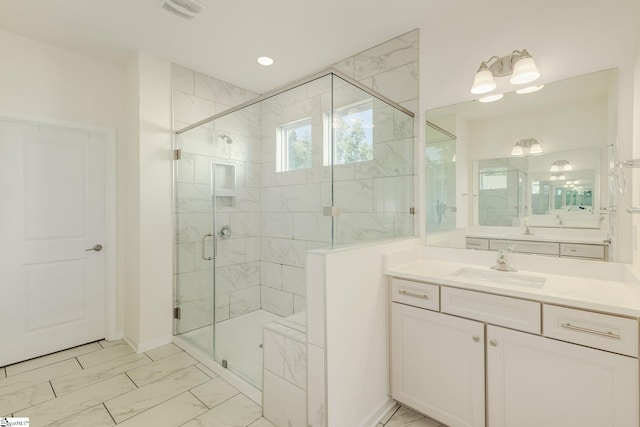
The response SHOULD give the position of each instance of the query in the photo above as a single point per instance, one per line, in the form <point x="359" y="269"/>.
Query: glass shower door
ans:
<point x="194" y="264"/>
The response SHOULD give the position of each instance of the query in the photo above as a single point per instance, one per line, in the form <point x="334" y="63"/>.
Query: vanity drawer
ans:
<point x="498" y="310"/>
<point x="582" y="251"/>
<point x="525" y="246"/>
<point x="423" y="295"/>
<point x="476" y="243"/>
<point x="604" y="331"/>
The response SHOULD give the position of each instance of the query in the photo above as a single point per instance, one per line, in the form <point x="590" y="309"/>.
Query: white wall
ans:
<point x="43" y="80"/>
<point x="150" y="227"/>
<point x="355" y="308"/>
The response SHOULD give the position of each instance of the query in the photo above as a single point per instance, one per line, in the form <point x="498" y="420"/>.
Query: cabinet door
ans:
<point x="534" y="381"/>
<point x="437" y="365"/>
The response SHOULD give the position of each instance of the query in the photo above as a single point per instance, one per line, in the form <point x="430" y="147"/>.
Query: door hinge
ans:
<point x="177" y="154"/>
<point x="412" y="211"/>
<point x="176" y="313"/>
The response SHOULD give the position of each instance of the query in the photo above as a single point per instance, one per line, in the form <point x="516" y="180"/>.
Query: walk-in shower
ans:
<point x="321" y="163"/>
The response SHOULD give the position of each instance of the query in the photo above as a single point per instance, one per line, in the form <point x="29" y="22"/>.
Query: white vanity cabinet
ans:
<point x="438" y="365"/>
<point x="534" y="381"/>
<point x="539" y="372"/>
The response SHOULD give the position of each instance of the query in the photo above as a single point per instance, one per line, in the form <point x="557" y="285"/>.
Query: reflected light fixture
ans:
<point x="491" y="98"/>
<point x="265" y="60"/>
<point x="519" y="65"/>
<point x="560" y="166"/>
<point x="530" y="145"/>
<point x="558" y="176"/>
<point x="529" y="89"/>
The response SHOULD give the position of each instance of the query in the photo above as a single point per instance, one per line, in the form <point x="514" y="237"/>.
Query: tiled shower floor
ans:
<point x="105" y="383"/>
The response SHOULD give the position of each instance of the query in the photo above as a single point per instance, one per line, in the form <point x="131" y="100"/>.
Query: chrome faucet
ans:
<point x="527" y="232"/>
<point x="501" y="263"/>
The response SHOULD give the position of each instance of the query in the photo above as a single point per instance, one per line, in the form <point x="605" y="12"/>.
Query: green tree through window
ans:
<point x="299" y="148"/>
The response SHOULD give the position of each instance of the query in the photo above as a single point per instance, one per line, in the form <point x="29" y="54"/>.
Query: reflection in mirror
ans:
<point x="530" y="167"/>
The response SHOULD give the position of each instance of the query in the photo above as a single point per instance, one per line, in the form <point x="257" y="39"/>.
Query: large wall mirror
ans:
<point x="530" y="167"/>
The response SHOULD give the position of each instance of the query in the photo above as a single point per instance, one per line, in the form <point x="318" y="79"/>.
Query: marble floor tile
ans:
<point x="106" y="344"/>
<point x="156" y="370"/>
<point x="173" y="412"/>
<point x="96" y="416"/>
<point x="164" y="351"/>
<point x="237" y="411"/>
<point x="261" y="422"/>
<point x="36" y="376"/>
<point x="130" y="404"/>
<point x="214" y="392"/>
<point x="25" y="398"/>
<point x="51" y="358"/>
<point x="405" y="417"/>
<point x="78" y="401"/>
<point x="206" y="370"/>
<point x="104" y="355"/>
<point x="95" y="374"/>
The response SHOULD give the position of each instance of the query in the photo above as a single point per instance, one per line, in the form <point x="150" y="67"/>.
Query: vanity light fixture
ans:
<point x="560" y="166"/>
<point x="558" y="176"/>
<point x="529" y="89"/>
<point x="531" y="145"/>
<point x="491" y="98"/>
<point x="519" y="64"/>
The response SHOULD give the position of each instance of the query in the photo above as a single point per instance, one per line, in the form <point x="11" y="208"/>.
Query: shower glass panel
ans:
<point x="252" y="191"/>
<point x="373" y="167"/>
<point x="440" y="179"/>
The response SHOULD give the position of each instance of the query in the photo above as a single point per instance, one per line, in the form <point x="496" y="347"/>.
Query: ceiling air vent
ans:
<point x="187" y="9"/>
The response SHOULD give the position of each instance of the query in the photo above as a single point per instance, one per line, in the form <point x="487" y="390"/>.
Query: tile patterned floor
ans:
<point x="107" y="383"/>
<point x="400" y="416"/>
<point x="102" y="384"/>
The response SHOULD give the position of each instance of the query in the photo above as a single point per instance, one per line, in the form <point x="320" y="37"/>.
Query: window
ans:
<point x="496" y="180"/>
<point x="294" y="146"/>
<point x="353" y="130"/>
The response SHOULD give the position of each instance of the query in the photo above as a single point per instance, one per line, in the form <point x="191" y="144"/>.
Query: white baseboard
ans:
<point x="377" y="415"/>
<point x="148" y="345"/>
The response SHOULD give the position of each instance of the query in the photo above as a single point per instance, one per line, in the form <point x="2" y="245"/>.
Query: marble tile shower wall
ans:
<point x="196" y="97"/>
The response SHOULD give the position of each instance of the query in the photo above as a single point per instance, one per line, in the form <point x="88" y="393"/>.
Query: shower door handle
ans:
<point x="202" y="247"/>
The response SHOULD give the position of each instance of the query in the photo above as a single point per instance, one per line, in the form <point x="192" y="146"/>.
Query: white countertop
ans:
<point x="616" y="297"/>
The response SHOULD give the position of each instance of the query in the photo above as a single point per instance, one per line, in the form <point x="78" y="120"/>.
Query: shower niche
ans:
<point x="224" y="183"/>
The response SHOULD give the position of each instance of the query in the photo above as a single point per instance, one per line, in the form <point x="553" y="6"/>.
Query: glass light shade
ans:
<point x="524" y="71"/>
<point x="536" y="148"/>
<point x="529" y="89"/>
<point x="517" y="151"/>
<point x="491" y="98"/>
<point x="554" y="168"/>
<point x="567" y="167"/>
<point x="483" y="82"/>
<point x="562" y="177"/>
<point x="553" y="178"/>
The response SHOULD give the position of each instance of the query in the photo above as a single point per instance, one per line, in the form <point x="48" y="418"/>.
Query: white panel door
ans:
<point x="437" y="365"/>
<point x="534" y="381"/>
<point x="52" y="209"/>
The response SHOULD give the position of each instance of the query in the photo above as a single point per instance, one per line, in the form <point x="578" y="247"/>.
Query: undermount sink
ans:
<point x="499" y="277"/>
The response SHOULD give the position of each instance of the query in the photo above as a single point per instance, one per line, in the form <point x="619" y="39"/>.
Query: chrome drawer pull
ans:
<point x="608" y="334"/>
<point x="411" y="294"/>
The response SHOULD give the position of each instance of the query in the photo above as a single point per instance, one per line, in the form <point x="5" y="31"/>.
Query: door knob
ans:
<point x="96" y="248"/>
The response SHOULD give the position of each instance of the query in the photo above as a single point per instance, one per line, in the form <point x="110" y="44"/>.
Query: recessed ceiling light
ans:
<point x="529" y="89"/>
<point x="265" y="60"/>
<point x="491" y="98"/>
